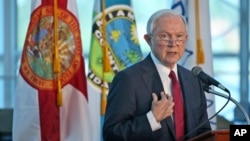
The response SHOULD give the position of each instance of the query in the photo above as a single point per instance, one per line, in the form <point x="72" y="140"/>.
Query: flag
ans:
<point x="51" y="100"/>
<point x="114" y="46"/>
<point x="198" y="50"/>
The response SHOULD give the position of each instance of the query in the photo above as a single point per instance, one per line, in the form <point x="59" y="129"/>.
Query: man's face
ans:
<point x="168" y="39"/>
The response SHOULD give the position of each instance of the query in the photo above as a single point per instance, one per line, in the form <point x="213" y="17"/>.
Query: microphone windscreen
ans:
<point x="196" y="70"/>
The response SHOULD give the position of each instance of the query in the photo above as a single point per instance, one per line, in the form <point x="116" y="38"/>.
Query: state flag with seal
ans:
<point x="51" y="101"/>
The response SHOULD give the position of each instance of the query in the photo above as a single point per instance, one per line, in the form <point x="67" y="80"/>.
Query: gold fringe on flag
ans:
<point x="56" y="56"/>
<point x="200" y="59"/>
<point x="105" y="59"/>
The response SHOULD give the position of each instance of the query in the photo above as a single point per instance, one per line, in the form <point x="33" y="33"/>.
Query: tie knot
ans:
<point x="172" y="75"/>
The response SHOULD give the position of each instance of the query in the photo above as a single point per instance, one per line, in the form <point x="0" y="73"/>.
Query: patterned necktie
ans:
<point x="178" y="107"/>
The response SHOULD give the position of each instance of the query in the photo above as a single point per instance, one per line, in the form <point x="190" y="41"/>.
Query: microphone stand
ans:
<point x="229" y="98"/>
<point x="209" y="90"/>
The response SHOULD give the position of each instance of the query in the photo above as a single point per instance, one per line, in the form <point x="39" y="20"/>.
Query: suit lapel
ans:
<point x="152" y="79"/>
<point x="184" y="77"/>
<point x="185" y="87"/>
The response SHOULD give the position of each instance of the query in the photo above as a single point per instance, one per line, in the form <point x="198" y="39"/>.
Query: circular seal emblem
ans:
<point x="39" y="47"/>
<point x="122" y="42"/>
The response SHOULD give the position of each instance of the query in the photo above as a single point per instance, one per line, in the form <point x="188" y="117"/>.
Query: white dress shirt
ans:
<point x="166" y="81"/>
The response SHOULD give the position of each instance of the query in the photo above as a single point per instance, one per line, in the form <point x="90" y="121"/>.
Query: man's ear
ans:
<point x="147" y="39"/>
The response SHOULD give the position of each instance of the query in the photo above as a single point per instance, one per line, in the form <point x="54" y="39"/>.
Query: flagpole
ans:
<point x="103" y="95"/>
<point x="105" y="59"/>
<point x="200" y="59"/>
<point x="106" y="65"/>
<point x="56" y="57"/>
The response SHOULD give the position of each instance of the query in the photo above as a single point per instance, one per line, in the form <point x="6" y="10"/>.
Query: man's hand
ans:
<point x="162" y="108"/>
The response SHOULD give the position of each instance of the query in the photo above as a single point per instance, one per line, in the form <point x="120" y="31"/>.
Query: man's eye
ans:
<point x="163" y="36"/>
<point x="180" y="36"/>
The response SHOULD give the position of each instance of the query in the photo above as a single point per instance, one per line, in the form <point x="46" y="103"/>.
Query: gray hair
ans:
<point x="159" y="14"/>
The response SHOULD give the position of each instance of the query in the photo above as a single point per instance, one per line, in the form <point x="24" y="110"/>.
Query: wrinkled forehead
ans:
<point x="168" y="20"/>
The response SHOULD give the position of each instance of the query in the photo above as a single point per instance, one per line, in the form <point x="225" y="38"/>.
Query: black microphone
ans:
<point x="205" y="78"/>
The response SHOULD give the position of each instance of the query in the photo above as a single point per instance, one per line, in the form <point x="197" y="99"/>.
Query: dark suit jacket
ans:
<point x="130" y="98"/>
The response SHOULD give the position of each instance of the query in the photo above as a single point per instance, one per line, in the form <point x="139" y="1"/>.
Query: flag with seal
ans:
<point x="114" y="46"/>
<point x="51" y="101"/>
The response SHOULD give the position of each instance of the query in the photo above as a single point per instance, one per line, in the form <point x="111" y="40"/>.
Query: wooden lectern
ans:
<point x="214" y="135"/>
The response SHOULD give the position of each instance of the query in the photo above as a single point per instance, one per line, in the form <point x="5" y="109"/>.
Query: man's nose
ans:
<point x="172" y="43"/>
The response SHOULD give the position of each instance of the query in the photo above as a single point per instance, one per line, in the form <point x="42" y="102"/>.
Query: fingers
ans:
<point x="169" y="97"/>
<point x="155" y="98"/>
<point x="163" y="107"/>
<point x="163" y="95"/>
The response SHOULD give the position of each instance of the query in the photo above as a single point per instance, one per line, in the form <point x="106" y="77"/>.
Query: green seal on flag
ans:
<point x="122" y="41"/>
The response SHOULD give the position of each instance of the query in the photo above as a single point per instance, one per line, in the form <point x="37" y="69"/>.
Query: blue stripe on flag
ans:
<point x="115" y="2"/>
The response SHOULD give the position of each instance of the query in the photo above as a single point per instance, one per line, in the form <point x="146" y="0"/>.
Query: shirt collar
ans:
<point x="163" y="70"/>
